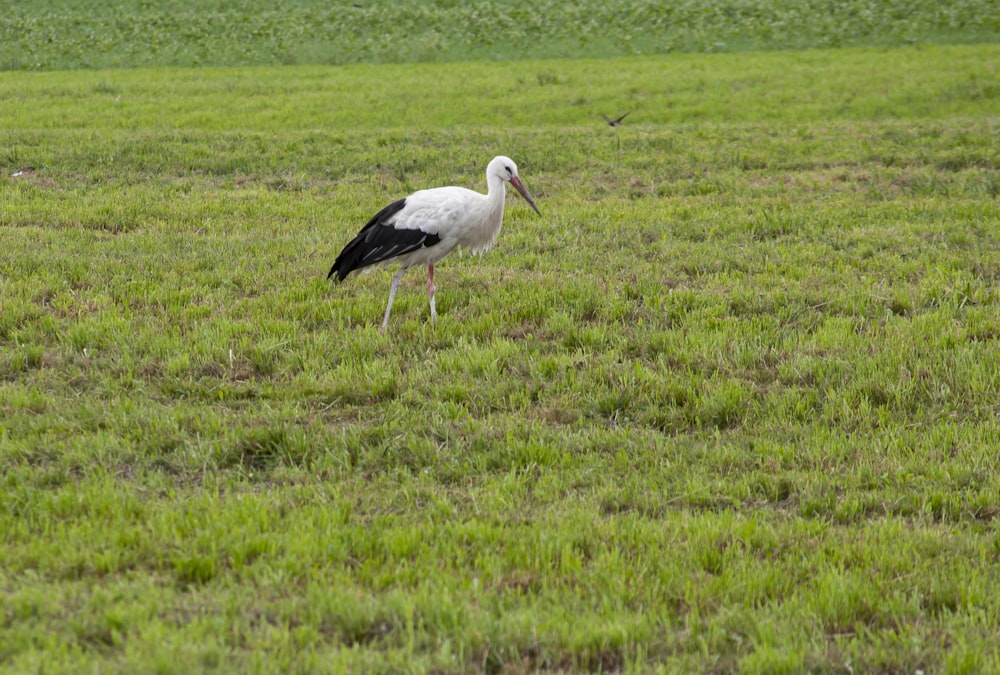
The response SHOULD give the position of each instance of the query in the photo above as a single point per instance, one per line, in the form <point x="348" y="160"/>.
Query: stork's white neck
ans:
<point x="496" y="190"/>
<point x="486" y="216"/>
<point x="496" y="196"/>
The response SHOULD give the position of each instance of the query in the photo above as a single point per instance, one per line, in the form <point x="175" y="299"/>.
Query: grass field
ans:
<point x="73" y="34"/>
<point x="730" y="405"/>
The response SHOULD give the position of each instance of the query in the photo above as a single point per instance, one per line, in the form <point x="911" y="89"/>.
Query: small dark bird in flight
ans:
<point x="617" y="122"/>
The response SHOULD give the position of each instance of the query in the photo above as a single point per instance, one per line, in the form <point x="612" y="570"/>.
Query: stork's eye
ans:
<point x="510" y="171"/>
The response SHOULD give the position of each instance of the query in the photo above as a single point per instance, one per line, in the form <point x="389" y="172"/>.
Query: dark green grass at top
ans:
<point x="54" y="35"/>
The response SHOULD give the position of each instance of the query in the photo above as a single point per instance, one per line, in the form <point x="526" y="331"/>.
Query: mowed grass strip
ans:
<point x="72" y="35"/>
<point x="730" y="404"/>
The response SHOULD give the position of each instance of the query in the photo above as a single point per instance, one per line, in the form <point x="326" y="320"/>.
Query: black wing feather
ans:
<point x="379" y="241"/>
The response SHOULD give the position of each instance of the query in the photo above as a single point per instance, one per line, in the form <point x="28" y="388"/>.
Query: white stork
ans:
<point x="426" y="226"/>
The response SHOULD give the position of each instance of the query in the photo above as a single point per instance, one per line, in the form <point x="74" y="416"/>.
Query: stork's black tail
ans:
<point x="379" y="241"/>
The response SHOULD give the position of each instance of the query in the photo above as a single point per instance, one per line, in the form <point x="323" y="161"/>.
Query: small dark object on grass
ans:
<point x="617" y="122"/>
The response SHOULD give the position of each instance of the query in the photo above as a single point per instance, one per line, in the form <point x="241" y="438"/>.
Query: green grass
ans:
<point x="729" y="405"/>
<point x="70" y="34"/>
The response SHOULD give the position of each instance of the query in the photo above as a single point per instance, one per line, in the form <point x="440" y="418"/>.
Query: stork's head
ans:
<point x="505" y="169"/>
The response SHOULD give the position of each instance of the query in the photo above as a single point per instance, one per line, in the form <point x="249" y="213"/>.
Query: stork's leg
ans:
<point x="430" y="292"/>
<point x="396" y="278"/>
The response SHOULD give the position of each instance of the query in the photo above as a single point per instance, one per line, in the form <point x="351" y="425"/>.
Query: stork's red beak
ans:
<point x="516" y="182"/>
